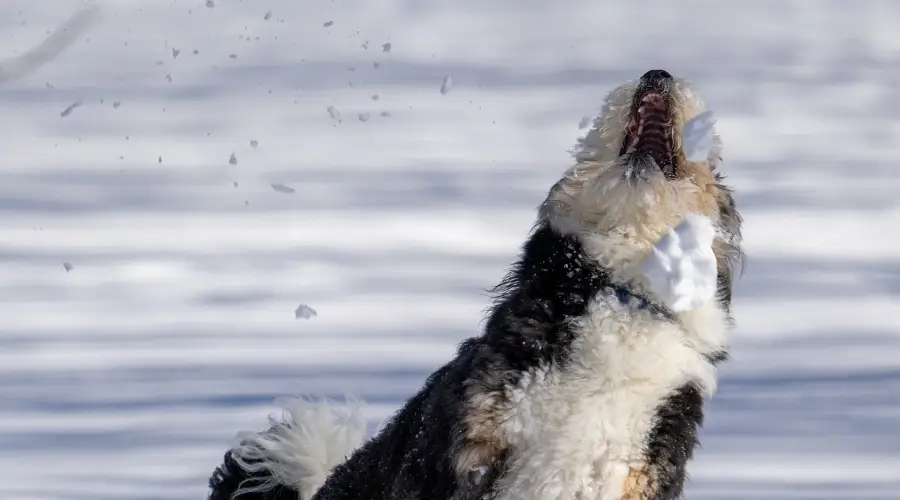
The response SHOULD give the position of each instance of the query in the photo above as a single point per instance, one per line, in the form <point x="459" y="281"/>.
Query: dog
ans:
<point x="589" y="379"/>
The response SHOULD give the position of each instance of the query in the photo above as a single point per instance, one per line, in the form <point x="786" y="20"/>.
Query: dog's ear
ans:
<point x="727" y="246"/>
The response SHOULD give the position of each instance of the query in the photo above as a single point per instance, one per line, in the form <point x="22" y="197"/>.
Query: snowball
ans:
<point x="303" y="311"/>
<point x="681" y="266"/>
<point x="697" y="136"/>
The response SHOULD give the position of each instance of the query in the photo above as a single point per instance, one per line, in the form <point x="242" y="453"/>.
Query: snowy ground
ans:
<point x="126" y="377"/>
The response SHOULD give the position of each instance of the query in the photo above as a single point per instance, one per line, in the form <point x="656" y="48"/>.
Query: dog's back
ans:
<point x="308" y="454"/>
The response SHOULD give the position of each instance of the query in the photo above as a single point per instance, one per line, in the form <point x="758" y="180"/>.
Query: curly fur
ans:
<point x="583" y="384"/>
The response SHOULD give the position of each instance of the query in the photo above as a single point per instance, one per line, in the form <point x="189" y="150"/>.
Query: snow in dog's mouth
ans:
<point x="649" y="131"/>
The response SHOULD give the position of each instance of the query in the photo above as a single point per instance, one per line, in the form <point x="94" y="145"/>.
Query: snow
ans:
<point x="71" y="107"/>
<point x="303" y="311"/>
<point x="333" y="113"/>
<point x="281" y="188"/>
<point x="128" y="377"/>
<point x="446" y="85"/>
<point x="697" y="136"/>
<point x="681" y="267"/>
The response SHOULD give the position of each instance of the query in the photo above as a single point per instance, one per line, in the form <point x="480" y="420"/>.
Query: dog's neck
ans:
<point x="622" y="255"/>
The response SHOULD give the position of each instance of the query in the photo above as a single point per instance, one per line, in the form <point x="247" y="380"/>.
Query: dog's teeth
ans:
<point x="632" y="145"/>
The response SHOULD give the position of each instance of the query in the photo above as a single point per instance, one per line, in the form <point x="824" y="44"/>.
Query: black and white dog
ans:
<point x="590" y="377"/>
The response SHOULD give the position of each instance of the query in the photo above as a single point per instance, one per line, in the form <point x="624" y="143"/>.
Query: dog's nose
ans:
<point x="656" y="75"/>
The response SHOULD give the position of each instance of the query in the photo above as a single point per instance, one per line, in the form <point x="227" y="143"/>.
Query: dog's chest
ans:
<point x="576" y="429"/>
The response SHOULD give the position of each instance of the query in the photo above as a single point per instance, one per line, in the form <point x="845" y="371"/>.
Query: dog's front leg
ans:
<point x="663" y="472"/>
<point x="682" y="271"/>
<point x="479" y="447"/>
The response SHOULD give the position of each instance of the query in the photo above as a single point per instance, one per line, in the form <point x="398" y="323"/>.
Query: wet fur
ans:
<point x="583" y="385"/>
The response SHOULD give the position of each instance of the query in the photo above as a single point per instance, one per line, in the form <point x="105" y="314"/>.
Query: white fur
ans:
<point x="305" y="443"/>
<point x="577" y="431"/>
<point x="681" y="267"/>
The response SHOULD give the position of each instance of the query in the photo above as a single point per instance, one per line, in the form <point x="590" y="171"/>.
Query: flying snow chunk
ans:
<point x="386" y="47"/>
<point x="698" y="136"/>
<point x="233" y="160"/>
<point x="267" y="16"/>
<point x="210" y="4"/>
<point x="68" y="111"/>
<point x="281" y="188"/>
<point x="585" y="122"/>
<point x="328" y="24"/>
<point x="175" y="53"/>
<point x="446" y="85"/>
<point x="303" y="311"/>
<point x="334" y="113"/>
<point x="254" y="143"/>
<point x="681" y="267"/>
<point x="364" y="117"/>
<point x="67" y="266"/>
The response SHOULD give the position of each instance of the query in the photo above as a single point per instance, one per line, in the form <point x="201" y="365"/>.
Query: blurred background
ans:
<point x="184" y="176"/>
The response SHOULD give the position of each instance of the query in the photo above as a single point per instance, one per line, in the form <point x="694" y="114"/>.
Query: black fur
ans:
<point x="549" y="286"/>
<point x="529" y="325"/>
<point x="228" y="477"/>
<point x="672" y="442"/>
<point x="730" y="222"/>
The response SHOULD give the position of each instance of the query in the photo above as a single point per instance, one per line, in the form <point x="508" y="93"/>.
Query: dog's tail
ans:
<point x="293" y="458"/>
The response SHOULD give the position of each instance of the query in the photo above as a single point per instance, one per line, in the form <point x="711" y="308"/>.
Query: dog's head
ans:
<point x="632" y="180"/>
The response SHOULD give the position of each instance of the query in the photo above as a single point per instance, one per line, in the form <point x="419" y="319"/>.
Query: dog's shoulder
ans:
<point x="554" y="285"/>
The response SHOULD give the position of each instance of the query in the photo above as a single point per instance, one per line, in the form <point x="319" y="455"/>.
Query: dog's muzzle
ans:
<point x="648" y="134"/>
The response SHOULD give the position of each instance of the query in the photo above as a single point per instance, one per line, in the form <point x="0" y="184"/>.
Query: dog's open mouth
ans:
<point x="649" y="131"/>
